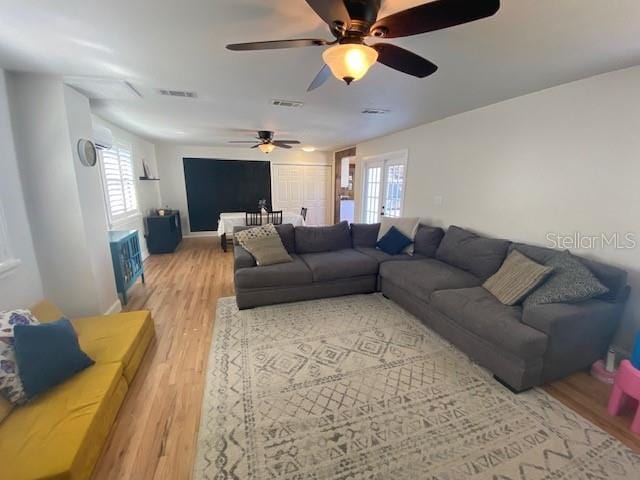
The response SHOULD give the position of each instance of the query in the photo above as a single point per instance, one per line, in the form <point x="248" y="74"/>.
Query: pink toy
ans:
<point x="599" y="372"/>
<point x="626" y="388"/>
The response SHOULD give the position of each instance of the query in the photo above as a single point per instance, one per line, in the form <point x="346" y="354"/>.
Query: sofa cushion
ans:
<point x="382" y="257"/>
<point x="427" y="240"/>
<point x="286" y="232"/>
<point x="60" y="434"/>
<point x="422" y="277"/>
<point x="478" y="255"/>
<point x="48" y="354"/>
<point x="571" y="282"/>
<point x="407" y="225"/>
<point x="364" y="235"/>
<point x="267" y="250"/>
<point x="121" y="338"/>
<point x="323" y="239"/>
<point x="393" y="242"/>
<point x="292" y="273"/>
<point x="517" y="277"/>
<point x="615" y="279"/>
<point x="341" y="264"/>
<point x="479" y="312"/>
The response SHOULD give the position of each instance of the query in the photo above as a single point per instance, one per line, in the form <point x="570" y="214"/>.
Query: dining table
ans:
<point x="229" y="220"/>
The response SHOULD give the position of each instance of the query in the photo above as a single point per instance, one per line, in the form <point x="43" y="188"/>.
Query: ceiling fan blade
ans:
<point x="281" y="144"/>
<point x="273" y="44"/>
<point x="403" y="60"/>
<point x="291" y="142"/>
<point x="333" y="12"/>
<point x="434" y="15"/>
<point x="321" y="77"/>
<point x="256" y="146"/>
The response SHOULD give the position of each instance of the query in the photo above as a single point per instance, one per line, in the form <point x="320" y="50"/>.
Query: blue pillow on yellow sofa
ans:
<point x="47" y="354"/>
<point x="393" y="242"/>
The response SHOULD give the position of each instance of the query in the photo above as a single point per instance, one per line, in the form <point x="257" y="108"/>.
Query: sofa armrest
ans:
<point x="242" y="258"/>
<point x="578" y="334"/>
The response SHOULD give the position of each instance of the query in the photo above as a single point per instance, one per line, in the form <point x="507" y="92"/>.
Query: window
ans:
<point x="7" y="261"/>
<point x="119" y="182"/>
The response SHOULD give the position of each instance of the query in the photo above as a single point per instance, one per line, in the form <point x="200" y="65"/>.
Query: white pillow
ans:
<point x="407" y="225"/>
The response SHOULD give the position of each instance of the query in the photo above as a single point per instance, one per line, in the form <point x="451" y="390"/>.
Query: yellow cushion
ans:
<point x="60" y="434"/>
<point x="46" y="311"/>
<point x="116" y="338"/>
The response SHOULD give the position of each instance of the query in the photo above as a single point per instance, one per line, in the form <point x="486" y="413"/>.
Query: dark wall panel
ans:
<point x="215" y="186"/>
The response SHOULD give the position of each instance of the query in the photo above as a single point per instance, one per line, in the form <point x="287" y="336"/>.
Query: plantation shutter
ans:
<point x="119" y="182"/>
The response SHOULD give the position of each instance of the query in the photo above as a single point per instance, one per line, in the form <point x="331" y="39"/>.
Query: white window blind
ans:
<point x="119" y="182"/>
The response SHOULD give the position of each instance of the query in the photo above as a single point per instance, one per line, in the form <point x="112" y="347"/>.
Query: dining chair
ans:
<point x="253" y="219"/>
<point x="303" y="213"/>
<point x="275" y="217"/>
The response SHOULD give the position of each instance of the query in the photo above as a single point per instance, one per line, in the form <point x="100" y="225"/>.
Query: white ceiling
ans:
<point x="528" y="46"/>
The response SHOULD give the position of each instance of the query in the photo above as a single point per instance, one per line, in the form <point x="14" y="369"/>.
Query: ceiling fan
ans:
<point x="352" y="21"/>
<point x="266" y="143"/>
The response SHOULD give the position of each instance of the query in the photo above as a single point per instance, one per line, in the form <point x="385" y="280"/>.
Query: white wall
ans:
<point x="562" y="160"/>
<point x="65" y="212"/>
<point x="170" y="166"/>
<point x="21" y="286"/>
<point x="148" y="191"/>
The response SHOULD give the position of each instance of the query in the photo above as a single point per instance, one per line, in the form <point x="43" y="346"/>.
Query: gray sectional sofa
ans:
<point x="441" y="284"/>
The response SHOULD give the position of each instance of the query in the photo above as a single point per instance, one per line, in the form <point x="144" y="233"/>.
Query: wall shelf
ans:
<point x="149" y="179"/>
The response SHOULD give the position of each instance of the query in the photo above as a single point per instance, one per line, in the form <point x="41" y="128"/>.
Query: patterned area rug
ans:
<point x="356" y="388"/>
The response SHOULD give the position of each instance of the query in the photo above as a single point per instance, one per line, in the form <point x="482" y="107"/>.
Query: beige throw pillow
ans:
<point x="407" y="225"/>
<point x="517" y="277"/>
<point x="267" y="250"/>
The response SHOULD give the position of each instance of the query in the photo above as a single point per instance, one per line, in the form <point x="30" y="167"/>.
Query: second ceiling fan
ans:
<point x="266" y="143"/>
<point x="352" y="21"/>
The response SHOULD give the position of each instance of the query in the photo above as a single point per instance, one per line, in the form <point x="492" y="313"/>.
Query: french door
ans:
<point x="384" y="187"/>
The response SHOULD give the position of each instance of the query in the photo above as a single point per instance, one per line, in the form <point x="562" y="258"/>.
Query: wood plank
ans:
<point x="155" y="434"/>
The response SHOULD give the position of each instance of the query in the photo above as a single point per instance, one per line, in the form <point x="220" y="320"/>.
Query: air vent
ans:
<point x="286" y="103"/>
<point x="177" y="93"/>
<point x="375" y="111"/>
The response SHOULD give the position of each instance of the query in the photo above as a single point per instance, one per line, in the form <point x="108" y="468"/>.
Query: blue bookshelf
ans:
<point x="127" y="260"/>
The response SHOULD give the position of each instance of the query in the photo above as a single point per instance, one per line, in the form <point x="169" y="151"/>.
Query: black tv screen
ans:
<point x="215" y="186"/>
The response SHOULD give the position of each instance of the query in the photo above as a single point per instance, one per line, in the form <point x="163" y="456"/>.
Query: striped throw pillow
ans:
<point x="517" y="277"/>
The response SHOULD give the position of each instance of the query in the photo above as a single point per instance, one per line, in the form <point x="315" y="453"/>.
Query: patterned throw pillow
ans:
<point x="10" y="385"/>
<point x="256" y="232"/>
<point x="571" y="282"/>
<point x="517" y="277"/>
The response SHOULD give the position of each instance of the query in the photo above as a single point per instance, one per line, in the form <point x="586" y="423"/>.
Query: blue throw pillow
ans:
<point x="47" y="354"/>
<point x="393" y="242"/>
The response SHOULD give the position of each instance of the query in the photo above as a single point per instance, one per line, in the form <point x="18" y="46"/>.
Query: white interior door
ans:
<point x="384" y="187"/>
<point x="297" y="186"/>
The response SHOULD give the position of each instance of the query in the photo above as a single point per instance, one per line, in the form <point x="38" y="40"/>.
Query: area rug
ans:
<point x="356" y="388"/>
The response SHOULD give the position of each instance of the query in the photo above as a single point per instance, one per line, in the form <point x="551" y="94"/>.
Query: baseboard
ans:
<point x="200" y="234"/>
<point x="115" y="308"/>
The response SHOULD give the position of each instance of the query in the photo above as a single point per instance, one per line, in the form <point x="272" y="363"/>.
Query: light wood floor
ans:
<point x="156" y="431"/>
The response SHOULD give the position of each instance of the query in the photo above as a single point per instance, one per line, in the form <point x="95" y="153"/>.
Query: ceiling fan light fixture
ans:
<point x="309" y="149"/>
<point x="350" y="61"/>
<point x="266" y="147"/>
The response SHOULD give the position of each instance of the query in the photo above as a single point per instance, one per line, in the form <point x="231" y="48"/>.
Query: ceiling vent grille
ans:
<point x="375" y="111"/>
<point x="286" y="103"/>
<point x="177" y="93"/>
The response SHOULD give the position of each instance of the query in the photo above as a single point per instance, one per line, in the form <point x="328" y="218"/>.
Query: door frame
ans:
<point x="397" y="156"/>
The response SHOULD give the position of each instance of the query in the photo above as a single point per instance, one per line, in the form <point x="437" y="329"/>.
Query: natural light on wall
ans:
<point x="7" y="262"/>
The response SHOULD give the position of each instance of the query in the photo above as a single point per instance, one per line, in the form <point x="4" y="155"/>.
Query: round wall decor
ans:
<point x="87" y="152"/>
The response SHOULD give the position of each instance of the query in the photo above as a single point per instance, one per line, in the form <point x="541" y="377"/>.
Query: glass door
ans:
<point x="372" y="205"/>
<point x="384" y="187"/>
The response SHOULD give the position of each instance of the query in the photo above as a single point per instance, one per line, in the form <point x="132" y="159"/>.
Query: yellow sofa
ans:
<point x="60" y="434"/>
